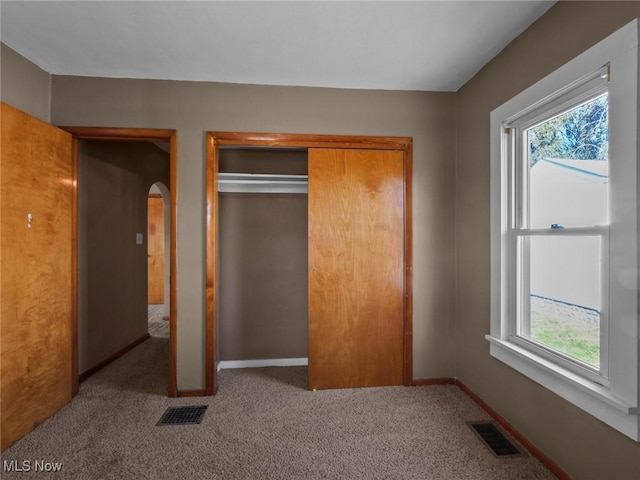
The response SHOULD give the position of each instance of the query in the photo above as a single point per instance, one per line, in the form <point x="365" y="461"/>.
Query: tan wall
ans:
<point x="262" y="253"/>
<point x="113" y="184"/>
<point x="580" y="444"/>
<point x="194" y="108"/>
<point x="23" y="85"/>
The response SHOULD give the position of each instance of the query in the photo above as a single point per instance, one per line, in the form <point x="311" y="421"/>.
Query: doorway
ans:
<point x="382" y="166"/>
<point x="111" y="138"/>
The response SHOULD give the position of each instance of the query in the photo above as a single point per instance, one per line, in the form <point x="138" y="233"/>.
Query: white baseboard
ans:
<point x="267" y="362"/>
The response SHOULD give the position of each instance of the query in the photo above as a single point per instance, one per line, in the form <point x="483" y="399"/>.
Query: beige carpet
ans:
<point x="263" y="424"/>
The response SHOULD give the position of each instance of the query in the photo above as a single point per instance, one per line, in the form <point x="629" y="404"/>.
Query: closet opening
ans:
<point x="354" y="258"/>
<point x="262" y="258"/>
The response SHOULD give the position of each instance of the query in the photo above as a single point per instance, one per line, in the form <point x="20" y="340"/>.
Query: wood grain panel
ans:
<point x="356" y="268"/>
<point x="293" y="140"/>
<point x="421" y="382"/>
<point x="36" y="284"/>
<point x="155" y="249"/>
<point x="211" y="329"/>
<point x="121" y="134"/>
<point x="75" y="381"/>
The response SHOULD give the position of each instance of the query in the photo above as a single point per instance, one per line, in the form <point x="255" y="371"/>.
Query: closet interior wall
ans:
<point x="262" y="261"/>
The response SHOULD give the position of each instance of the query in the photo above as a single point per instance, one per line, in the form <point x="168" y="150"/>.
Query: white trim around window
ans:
<point x="611" y="392"/>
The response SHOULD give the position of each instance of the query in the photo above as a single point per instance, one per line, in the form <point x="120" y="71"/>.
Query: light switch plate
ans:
<point x="139" y="239"/>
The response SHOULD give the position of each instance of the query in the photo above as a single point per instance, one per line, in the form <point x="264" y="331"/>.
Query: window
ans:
<point x="558" y="160"/>
<point x="564" y="231"/>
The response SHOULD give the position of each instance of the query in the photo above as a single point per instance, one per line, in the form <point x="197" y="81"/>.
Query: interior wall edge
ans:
<point x="580" y="444"/>
<point x="533" y="449"/>
<point x="25" y="85"/>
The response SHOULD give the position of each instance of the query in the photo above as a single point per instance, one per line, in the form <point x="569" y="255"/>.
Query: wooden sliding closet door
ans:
<point x="36" y="286"/>
<point x="356" y="268"/>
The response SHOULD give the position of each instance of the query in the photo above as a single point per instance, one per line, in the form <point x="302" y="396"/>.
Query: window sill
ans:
<point x="587" y="395"/>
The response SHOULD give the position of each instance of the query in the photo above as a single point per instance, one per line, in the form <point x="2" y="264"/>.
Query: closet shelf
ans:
<point x="261" y="183"/>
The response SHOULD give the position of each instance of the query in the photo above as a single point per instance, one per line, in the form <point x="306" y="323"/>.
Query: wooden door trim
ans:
<point x="134" y="134"/>
<point x="121" y="134"/>
<point x="292" y="140"/>
<point x="211" y="272"/>
<point x="289" y="140"/>
<point x="75" y="378"/>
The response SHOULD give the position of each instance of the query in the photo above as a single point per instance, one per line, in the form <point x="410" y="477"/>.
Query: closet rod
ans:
<point x="261" y="183"/>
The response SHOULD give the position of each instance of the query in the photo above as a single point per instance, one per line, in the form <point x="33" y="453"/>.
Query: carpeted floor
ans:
<point x="262" y="424"/>
<point x="158" y="327"/>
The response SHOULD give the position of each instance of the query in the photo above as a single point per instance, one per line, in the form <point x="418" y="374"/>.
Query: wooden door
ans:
<point x="356" y="268"/>
<point x="36" y="285"/>
<point x="155" y="249"/>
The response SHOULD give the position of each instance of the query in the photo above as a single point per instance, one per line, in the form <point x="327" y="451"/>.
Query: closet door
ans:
<point x="356" y="268"/>
<point x="36" y="284"/>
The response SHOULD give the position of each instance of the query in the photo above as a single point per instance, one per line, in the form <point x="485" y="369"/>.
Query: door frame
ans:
<point x="132" y="135"/>
<point x="291" y="140"/>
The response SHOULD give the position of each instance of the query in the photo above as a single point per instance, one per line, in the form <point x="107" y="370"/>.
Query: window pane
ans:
<point x="560" y="300"/>
<point x="568" y="167"/>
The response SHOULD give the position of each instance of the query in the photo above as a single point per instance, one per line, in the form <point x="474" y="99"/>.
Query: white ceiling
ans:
<point x="396" y="45"/>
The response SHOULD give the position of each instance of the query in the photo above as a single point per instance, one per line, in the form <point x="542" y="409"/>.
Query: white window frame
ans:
<point x="585" y="89"/>
<point x="611" y="394"/>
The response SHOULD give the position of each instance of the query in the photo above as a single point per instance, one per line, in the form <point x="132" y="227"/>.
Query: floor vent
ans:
<point x="493" y="438"/>
<point x="183" y="415"/>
